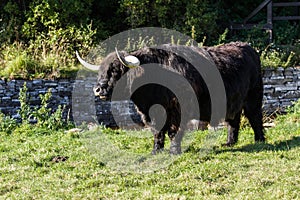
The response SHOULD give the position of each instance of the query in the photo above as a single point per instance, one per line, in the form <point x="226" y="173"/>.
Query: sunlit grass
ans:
<point x="59" y="165"/>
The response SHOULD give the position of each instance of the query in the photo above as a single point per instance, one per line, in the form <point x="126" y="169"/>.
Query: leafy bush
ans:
<point x="18" y="63"/>
<point x="46" y="41"/>
<point x="7" y="124"/>
<point x="45" y="58"/>
<point x="44" y="116"/>
<point x="275" y="57"/>
<point x="38" y="38"/>
<point x="196" y="19"/>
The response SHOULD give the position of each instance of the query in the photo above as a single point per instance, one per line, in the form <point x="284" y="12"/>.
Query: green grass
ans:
<point x="31" y="168"/>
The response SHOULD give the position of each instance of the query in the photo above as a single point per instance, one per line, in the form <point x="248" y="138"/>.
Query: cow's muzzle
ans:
<point x="101" y="93"/>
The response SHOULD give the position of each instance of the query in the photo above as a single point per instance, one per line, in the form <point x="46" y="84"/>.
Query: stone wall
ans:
<point x="281" y="88"/>
<point x="9" y="94"/>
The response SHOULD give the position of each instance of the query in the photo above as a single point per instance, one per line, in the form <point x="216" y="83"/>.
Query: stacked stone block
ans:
<point x="281" y="88"/>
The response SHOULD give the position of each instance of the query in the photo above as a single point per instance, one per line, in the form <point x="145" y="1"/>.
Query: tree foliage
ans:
<point x="183" y="15"/>
<point x="42" y="35"/>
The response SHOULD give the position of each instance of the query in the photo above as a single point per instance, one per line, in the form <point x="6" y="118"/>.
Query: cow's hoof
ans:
<point x="157" y="151"/>
<point x="175" y="150"/>
<point x="228" y="144"/>
<point x="261" y="139"/>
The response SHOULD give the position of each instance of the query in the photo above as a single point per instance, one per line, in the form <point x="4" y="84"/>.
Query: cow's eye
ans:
<point x="103" y="84"/>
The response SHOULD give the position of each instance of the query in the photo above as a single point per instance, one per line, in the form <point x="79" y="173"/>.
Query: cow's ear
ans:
<point x="128" y="61"/>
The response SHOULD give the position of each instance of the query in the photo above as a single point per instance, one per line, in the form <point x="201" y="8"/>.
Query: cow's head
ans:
<point x="111" y="69"/>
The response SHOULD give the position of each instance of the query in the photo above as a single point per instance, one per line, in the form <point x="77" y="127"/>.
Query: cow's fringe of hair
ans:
<point x="133" y="74"/>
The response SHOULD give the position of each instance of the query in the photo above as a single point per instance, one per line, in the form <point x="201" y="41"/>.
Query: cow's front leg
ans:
<point x="176" y="138"/>
<point x="159" y="142"/>
<point x="233" y="130"/>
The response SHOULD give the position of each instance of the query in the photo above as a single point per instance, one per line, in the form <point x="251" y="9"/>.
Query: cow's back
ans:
<point x="240" y="68"/>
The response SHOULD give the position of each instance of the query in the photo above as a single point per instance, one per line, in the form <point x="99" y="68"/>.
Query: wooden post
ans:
<point x="270" y="20"/>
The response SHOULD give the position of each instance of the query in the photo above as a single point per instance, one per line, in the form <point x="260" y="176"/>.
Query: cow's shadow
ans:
<point x="284" y="145"/>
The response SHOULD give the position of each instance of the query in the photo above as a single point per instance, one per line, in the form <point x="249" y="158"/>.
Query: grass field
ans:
<point x="38" y="164"/>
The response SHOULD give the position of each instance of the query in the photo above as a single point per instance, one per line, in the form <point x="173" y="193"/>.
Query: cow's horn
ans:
<point x="87" y="65"/>
<point x="130" y="61"/>
<point x="119" y="57"/>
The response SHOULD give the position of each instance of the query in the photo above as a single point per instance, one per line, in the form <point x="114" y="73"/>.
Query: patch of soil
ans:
<point x="58" y="159"/>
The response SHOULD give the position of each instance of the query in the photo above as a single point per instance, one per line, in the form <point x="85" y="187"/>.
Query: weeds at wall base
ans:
<point x="41" y="118"/>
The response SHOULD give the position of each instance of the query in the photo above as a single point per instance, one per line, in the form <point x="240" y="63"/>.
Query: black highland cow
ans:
<point x="240" y="69"/>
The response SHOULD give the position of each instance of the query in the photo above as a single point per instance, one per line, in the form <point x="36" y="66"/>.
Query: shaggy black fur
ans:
<point x="240" y="69"/>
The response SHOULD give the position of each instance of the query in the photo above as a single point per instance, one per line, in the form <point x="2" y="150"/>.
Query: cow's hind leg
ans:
<point x="253" y="111"/>
<point x="233" y="129"/>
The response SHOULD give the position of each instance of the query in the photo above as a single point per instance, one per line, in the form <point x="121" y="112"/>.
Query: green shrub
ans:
<point x="286" y="32"/>
<point x="46" y="40"/>
<point x="7" y="124"/>
<point x="38" y="38"/>
<point x="18" y="63"/>
<point x="196" y="19"/>
<point x="275" y="57"/>
<point x="24" y="111"/>
<point x="44" y="115"/>
<point x="293" y="113"/>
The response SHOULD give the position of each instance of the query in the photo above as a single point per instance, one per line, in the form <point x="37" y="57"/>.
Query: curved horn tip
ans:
<point x="119" y="57"/>
<point x="85" y="64"/>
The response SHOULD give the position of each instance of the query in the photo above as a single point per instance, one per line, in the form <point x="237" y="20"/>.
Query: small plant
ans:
<point x="293" y="113"/>
<point x="44" y="116"/>
<point x="222" y="37"/>
<point x="24" y="110"/>
<point x="7" y="124"/>
<point x="47" y="119"/>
